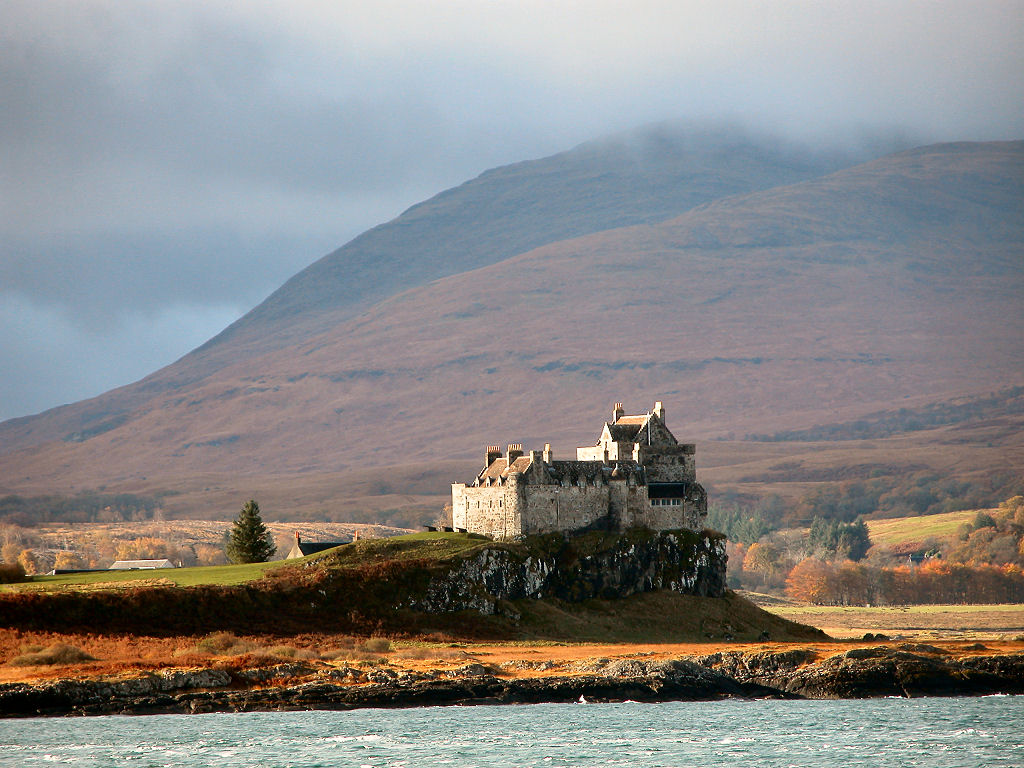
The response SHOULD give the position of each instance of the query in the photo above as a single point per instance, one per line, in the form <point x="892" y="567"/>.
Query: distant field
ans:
<point x="916" y="529"/>
<point x="195" y="532"/>
<point x="921" y="621"/>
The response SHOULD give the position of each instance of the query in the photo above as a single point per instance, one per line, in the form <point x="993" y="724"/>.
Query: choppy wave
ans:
<point x="938" y="733"/>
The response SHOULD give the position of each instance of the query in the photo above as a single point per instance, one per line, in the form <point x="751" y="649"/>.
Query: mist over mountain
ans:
<point x="752" y="286"/>
<point x="638" y="177"/>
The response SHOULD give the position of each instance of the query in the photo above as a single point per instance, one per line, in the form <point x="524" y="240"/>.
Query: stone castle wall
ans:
<point x="494" y="511"/>
<point x="636" y="475"/>
<point x="520" y="508"/>
<point x="573" y="507"/>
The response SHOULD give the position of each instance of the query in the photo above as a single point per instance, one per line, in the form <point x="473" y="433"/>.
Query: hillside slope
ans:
<point x="808" y="303"/>
<point x="643" y="176"/>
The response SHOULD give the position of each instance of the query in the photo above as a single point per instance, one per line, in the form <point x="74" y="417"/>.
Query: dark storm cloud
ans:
<point x="164" y="166"/>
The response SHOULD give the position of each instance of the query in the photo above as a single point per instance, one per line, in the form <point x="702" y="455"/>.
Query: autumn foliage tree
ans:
<point x="763" y="558"/>
<point x="809" y="581"/>
<point x="28" y="560"/>
<point x="144" y="548"/>
<point x="67" y="560"/>
<point x="249" y="540"/>
<point x="932" y="582"/>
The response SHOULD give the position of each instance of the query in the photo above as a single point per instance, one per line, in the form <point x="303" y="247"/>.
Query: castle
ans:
<point x="637" y="474"/>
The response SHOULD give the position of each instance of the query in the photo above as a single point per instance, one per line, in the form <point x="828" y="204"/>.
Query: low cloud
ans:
<point x="163" y="154"/>
<point x="50" y="359"/>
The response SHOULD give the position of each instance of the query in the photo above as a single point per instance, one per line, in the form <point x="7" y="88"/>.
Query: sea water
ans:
<point x="938" y="733"/>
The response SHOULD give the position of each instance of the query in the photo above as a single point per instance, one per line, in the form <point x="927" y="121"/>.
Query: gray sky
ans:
<point x="164" y="166"/>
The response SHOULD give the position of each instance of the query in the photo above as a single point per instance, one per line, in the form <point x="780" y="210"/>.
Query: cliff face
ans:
<point x="578" y="569"/>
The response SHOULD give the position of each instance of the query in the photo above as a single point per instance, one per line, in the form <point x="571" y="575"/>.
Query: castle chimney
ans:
<point x="515" y="450"/>
<point x="618" y="413"/>
<point x="659" y="411"/>
<point x="298" y="539"/>
<point x="547" y="453"/>
<point x="493" y="452"/>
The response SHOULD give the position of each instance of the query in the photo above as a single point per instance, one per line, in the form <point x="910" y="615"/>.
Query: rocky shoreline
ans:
<point x="906" y="670"/>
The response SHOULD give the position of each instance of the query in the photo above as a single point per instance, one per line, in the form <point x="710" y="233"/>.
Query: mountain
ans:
<point x="751" y="290"/>
<point x="642" y="176"/>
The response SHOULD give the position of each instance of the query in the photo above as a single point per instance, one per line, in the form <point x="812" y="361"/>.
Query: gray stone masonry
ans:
<point x="637" y="474"/>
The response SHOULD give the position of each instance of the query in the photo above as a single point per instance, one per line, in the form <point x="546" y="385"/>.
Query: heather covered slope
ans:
<point x="643" y="176"/>
<point x="896" y="281"/>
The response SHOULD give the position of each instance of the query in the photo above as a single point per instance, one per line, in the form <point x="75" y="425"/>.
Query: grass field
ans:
<point x="948" y="622"/>
<point x="900" y="530"/>
<point x="412" y="546"/>
<point x="182" y="577"/>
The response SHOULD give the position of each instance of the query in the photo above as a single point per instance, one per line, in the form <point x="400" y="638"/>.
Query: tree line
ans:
<point x="932" y="582"/>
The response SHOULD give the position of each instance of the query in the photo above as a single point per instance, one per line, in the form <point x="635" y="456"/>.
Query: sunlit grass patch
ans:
<point x="916" y="529"/>
<point x="58" y="653"/>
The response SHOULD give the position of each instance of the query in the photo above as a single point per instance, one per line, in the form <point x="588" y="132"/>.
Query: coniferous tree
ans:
<point x="249" y="540"/>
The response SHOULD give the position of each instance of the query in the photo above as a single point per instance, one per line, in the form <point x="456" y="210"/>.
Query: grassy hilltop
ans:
<point x="355" y="589"/>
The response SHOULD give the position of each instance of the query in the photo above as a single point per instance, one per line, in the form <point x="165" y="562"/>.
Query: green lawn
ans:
<point x="184" y="577"/>
<point x="413" y="546"/>
<point x="917" y="529"/>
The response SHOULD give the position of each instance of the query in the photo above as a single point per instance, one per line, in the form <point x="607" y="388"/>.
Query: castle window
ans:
<point x="666" y="502"/>
<point x="501" y="502"/>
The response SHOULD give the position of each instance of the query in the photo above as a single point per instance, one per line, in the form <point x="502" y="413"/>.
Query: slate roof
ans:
<point x="128" y="565"/>
<point x="312" y="547"/>
<point x="626" y="428"/>
<point x="500" y="468"/>
<point x="641" y="420"/>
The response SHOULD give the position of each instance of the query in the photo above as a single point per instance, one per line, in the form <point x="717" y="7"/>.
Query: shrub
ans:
<point x="223" y="644"/>
<point x="377" y="645"/>
<point x="58" y="653"/>
<point x="216" y="642"/>
<point x="291" y="652"/>
<point x="11" y="573"/>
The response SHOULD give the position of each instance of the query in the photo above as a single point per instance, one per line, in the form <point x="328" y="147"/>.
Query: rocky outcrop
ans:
<point x="618" y="566"/>
<point x="796" y="673"/>
<point x="382" y="687"/>
<point x="873" y="672"/>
